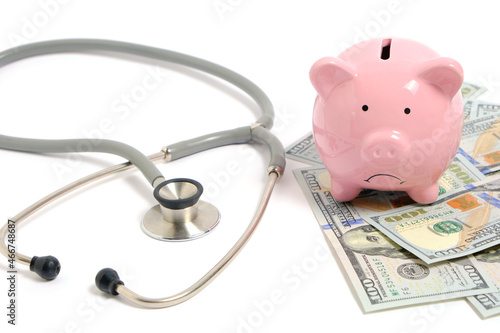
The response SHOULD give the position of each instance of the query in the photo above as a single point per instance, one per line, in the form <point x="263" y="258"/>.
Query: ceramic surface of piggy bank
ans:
<point x="388" y="116"/>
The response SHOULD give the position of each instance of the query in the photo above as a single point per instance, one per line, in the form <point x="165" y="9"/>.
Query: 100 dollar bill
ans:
<point x="459" y="223"/>
<point x="488" y="304"/>
<point x="385" y="275"/>
<point x="304" y="150"/>
<point x="467" y="108"/>
<point x="471" y="91"/>
<point x="480" y="142"/>
<point x="480" y="109"/>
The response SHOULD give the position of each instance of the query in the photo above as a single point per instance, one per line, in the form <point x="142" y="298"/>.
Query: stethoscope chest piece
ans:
<point x="180" y="215"/>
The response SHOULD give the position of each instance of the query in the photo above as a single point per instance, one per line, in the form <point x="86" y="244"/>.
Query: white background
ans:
<point x="284" y="280"/>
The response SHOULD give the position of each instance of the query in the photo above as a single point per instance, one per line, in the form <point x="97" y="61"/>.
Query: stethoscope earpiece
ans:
<point x="180" y="215"/>
<point x="47" y="267"/>
<point x="107" y="280"/>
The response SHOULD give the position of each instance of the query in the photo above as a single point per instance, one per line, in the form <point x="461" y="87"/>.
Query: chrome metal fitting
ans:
<point x="167" y="154"/>
<point x="255" y="125"/>
<point x="275" y="169"/>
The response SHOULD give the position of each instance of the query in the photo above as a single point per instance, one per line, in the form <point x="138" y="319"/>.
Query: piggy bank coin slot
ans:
<point x="386" y="49"/>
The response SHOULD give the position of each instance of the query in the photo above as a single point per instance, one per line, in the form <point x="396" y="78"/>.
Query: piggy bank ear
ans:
<point x="328" y="72"/>
<point x="445" y="73"/>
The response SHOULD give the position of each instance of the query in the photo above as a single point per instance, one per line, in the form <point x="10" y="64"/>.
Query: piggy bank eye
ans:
<point x="407" y="110"/>
<point x="364" y="107"/>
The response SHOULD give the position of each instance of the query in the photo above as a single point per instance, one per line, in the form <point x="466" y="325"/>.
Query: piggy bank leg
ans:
<point x="424" y="195"/>
<point x="344" y="191"/>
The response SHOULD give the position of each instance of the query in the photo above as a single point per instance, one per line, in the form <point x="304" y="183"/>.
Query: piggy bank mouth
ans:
<point x="384" y="175"/>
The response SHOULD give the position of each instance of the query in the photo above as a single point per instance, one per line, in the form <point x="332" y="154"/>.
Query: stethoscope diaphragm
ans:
<point x="180" y="215"/>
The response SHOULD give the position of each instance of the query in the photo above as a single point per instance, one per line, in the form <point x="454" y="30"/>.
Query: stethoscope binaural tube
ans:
<point x="107" y="280"/>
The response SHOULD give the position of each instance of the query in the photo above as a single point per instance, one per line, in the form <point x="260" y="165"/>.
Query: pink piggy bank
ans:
<point x="388" y="116"/>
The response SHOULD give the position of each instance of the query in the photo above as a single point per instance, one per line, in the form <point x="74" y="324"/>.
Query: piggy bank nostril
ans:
<point x="383" y="153"/>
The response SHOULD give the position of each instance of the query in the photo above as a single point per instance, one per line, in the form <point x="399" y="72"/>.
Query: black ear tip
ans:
<point x="107" y="280"/>
<point x="47" y="267"/>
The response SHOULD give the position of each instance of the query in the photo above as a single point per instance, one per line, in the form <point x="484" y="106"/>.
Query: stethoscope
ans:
<point x="180" y="215"/>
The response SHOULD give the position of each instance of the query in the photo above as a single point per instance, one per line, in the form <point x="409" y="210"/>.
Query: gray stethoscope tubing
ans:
<point x="107" y="146"/>
<point x="107" y="280"/>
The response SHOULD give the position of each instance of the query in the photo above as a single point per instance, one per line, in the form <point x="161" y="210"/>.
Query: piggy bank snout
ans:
<point x="385" y="148"/>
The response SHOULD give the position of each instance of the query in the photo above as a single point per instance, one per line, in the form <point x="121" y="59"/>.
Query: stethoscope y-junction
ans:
<point x="180" y="215"/>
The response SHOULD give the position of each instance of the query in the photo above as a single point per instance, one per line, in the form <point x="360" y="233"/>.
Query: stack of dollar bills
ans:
<point x="397" y="252"/>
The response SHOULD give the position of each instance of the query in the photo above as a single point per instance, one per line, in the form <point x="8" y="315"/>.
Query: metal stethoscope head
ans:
<point x="180" y="215"/>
